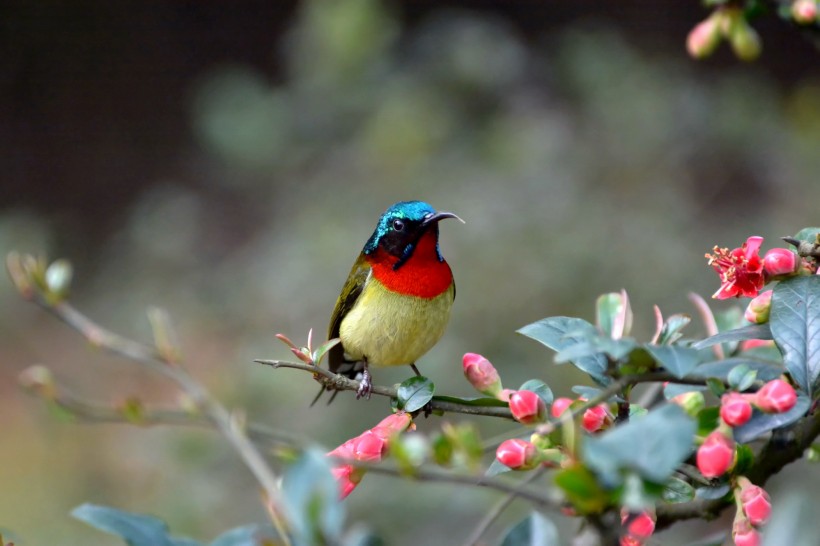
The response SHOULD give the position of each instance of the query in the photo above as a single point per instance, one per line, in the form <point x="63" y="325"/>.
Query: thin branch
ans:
<point x="212" y="409"/>
<point x="342" y="383"/>
<point x="498" y="509"/>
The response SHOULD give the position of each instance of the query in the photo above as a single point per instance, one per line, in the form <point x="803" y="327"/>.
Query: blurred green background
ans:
<point x="227" y="161"/>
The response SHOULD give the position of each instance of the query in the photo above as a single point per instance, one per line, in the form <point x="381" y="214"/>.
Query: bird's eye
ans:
<point x="398" y="225"/>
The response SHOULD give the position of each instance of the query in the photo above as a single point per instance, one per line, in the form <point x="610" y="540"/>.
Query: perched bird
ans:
<point x="396" y="302"/>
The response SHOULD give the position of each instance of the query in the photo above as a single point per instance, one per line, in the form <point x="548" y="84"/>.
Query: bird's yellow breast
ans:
<point x="389" y="328"/>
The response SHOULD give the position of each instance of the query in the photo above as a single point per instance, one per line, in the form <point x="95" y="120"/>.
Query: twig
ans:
<point x="342" y="383"/>
<point x="498" y="509"/>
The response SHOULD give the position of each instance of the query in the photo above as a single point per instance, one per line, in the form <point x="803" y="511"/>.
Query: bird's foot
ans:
<point x="365" y="385"/>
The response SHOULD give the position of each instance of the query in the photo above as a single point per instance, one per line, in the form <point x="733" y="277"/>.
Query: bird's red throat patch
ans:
<point x="422" y="275"/>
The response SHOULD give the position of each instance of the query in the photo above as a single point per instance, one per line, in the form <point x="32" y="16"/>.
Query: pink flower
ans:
<point x="776" y="396"/>
<point x="527" y="407"/>
<point x="347" y="477"/>
<point x="481" y="374"/>
<point x="369" y="447"/>
<point x="757" y="312"/>
<point x="595" y="418"/>
<point x="744" y="534"/>
<point x="559" y="406"/>
<point x="740" y="270"/>
<point x="804" y="11"/>
<point x="638" y="530"/>
<point x="394" y="424"/>
<point x="716" y="455"/>
<point x="780" y="262"/>
<point x="735" y="409"/>
<point x="704" y="38"/>
<point x="757" y="505"/>
<point x="517" y="454"/>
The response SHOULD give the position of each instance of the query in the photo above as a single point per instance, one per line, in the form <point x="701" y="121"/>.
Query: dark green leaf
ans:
<point x="415" y="392"/>
<point x="135" y="529"/>
<point x="708" y="420"/>
<point x="716" y="386"/>
<point x="754" y="331"/>
<point x="712" y="493"/>
<point x="766" y="370"/>
<point x="540" y="388"/>
<point x="744" y="457"/>
<point x="558" y="333"/>
<point x="582" y="489"/>
<point x="795" y="324"/>
<point x="496" y="468"/>
<point x="653" y="446"/>
<point x="676" y="490"/>
<point x="615" y="348"/>
<point x="248" y="535"/>
<point x="534" y="530"/>
<point x="761" y="423"/>
<point x="741" y="377"/>
<point x="678" y="361"/>
<point x="314" y="510"/>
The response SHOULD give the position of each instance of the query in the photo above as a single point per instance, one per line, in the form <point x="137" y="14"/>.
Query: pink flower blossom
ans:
<point x="559" y="406"/>
<point x="776" y="396"/>
<point x="740" y="270"/>
<point x="716" y="455"/>
<point x="780" y="262"/>
<point x="744" y="534"/>
<point x="527" y="407"/>
<point x="757" y="505"/>
<point x="735" y="409"/>
<point x="481" y="374"/>
<point x="595" y="418"/>
<point x="517" y="454"/>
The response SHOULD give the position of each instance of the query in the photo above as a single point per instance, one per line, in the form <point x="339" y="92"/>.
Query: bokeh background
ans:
<point x="227" y="161"/>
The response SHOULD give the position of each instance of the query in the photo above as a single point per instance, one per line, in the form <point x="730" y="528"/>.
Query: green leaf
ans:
<point x="712" y="493"/>
<point x="313" y="510"/>
<point x="534" y="530"/>
<point x="761" y="423"/>
<point x="540" y="388"/>
<point x="795" y="325"/>
<point x="247" y="535"/>
<point x="558" y="333"/>
<point x="741" y="377"/>
<point x="676" y="490"/>
<point x="765" y="370"/>
<point x="754" y="331"/>
<point x="678" y="361"/>
<point x="582" y="489"/>
<point x="135" y="529"/>
<point x="652" y="446"/>
<point x="414" y="393"/>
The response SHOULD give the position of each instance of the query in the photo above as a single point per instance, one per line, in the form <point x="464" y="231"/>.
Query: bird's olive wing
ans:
<point x="347" y="299"/>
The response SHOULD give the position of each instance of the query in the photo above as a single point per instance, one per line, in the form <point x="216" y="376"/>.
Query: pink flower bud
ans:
<point x="595" y="418"/>
<point x="776" y="396"/>
<point x="481" y="374"/>
<point x="744" y="534"/>
<point x="757" y="504"/>
<point x="505" y="394"/>
<point x="638" y="530"/>
<point x="347" y="477"/>
<point x="369" y="447"/>
<point x="527" y="407"/>
<point x="750" y="344"/>
<point x="804" y="12"/>
<point x="559" y="406"/>
<point x="716" y="455"/>
<point x="735" y="409"/>
<point x="704" y="38"/>
<point x="517" y="454"/>
<point x="780" y="262"/>
<point x="393" y="424"/>
<point x="757" y="312"/>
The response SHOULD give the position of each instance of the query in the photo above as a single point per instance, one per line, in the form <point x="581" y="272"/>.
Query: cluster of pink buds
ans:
<point x="754" y="507"/>
<point x="638" y="528"/>
<point x="594" y="419"/>
<point x="776" y="396"/>
<point x="743" y="272"/>
<point x="369" y="446"/>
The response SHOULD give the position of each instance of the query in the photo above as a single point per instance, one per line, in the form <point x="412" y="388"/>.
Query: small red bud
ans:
<point x="481" y="374"/>
<point x="639" y="529"/>
<point x="757" y="504"/>
<point x="716" y="455"/>
<point x="780" y="262"/>
<point x="527" y="407"/>
<point x="735" y="409"/>
<point x="369" y="447"/>
<point x="595" y="418"/>
<point x="776" y="396"/>
<point x="559" y="406"/>
<point x="517" y="454"/>
<point x="744" y="534"/>
<point x="704" y="38"/>
<point x="804" y="12"/>
<point x="757" y="312"/>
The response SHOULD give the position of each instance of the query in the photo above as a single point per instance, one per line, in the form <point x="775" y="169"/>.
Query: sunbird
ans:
<point x="396" y="302"/>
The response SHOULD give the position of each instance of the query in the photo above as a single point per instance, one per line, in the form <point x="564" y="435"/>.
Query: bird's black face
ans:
<point x="402" y="234"/>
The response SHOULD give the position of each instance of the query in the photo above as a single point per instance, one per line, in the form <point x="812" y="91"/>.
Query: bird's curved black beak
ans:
<point x="434" y="217"/>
